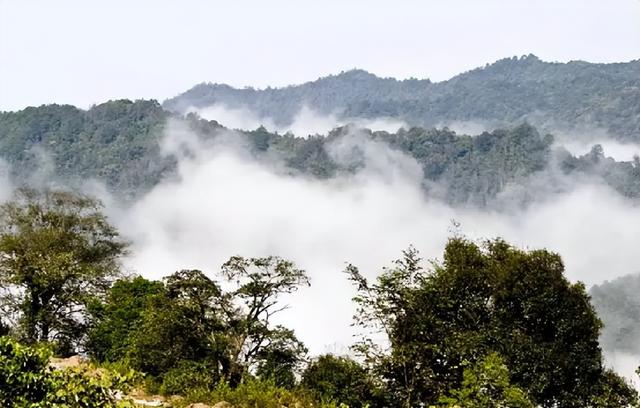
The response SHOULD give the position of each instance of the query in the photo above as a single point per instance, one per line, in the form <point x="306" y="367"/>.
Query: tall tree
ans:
<point x="260" y="283"/>
<point x="480" y="300"/>
<point x="57" y="250"/>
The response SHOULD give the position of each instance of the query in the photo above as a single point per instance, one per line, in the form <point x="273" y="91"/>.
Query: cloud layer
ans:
<point x="225" y="202"/>
<point x="306" y="122"/>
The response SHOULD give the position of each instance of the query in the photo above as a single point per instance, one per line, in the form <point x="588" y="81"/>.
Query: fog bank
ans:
<point x="225" y="202"/>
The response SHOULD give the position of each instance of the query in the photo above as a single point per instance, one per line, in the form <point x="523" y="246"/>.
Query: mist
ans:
<point x="226" y="202"/>
<point x="306" y="122"/>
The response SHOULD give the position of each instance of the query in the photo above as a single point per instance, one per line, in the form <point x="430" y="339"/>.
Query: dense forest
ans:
<point x="618" y="304"/>
<point x="490" y="325"/>
<point x="568" y="96"/>
<point x="119" y="143"/>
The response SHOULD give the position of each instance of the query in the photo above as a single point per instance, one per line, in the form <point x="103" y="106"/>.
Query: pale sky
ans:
<point x="84" y="52"/>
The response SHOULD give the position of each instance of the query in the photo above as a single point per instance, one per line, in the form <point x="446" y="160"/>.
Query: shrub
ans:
<point x="188" y="376"/>
<point x="27" y="381"/>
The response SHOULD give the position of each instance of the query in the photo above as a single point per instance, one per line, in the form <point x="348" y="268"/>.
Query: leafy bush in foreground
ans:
<point x="27" y="380"/>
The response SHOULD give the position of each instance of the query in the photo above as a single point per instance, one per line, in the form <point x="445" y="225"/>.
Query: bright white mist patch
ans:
<point x="617" y="150"/>
<point x="226" y="203"/>
<point x="306" y="122"/>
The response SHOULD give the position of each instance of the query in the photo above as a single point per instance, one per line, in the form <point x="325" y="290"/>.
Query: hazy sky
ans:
<point x="85" y="52"/>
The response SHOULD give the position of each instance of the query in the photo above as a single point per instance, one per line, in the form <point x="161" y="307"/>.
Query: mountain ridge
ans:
<point x="551" y="95"/>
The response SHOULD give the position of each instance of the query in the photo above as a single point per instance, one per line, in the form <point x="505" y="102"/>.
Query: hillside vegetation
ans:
<point x="119" y="143"/>
<point x="489" y="325"/>
<point x="569" y="96"/>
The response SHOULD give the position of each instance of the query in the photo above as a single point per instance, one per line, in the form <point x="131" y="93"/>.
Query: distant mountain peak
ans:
<point x="351" y="75"/>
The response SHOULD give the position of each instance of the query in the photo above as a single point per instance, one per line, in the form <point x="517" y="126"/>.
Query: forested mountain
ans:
<point x="118" y="142"/>
<point x="567" y="96"/>
<point x="618" y="304"/>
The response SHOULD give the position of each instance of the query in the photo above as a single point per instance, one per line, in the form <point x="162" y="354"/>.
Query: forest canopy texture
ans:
<point x="489" y="323"/>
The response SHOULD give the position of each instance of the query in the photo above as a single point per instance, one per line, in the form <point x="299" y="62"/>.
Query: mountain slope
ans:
<point x="566" y="96"/>
<point x="118" y="143"/>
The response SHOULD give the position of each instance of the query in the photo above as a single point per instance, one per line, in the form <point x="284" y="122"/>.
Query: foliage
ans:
<point x="188" y="330"/>
<point x="481" y="300"/>
<point x="575" y="95"/>
<point x="260" y="282"/>
<point x="177" y="325"/>
<point x="618" y="305"/>
<point x="280" y="359"/>
<point x="58" y="251"/>
<point x="116" y="142"/>
<point x="486" y="385"/>
<point x="26" y="381"/>
<point x="113" y="321"/>
<point x="119" y="143"/>
<point x="255" y="394"/>
<point x="188" y="376"/>
<point x="340" y="379"/>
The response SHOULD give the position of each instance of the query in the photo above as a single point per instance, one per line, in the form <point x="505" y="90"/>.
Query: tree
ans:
<point x="188" y="324"/>
<point x="280" y="358"/>
<point x="479" y="300"/>
<point x="182" y="323"/>
<point x="260" y="282"/>
<point x="342" y="380"/>
<point x="57" y="250"/>
<point x="112" y="321"/>
<point x="486" y="385"/>
<point x="380" y="308"/>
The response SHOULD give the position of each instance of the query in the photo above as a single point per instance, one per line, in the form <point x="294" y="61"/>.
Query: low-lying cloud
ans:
<point x="225" y="202"/>
<point x="619" y="151"/>
<point x="306" y="122"/>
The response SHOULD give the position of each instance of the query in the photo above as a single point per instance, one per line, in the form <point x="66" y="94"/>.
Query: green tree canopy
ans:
<point x="483" y="299"/>
<point x="486" y="385"/>
<point x="57" y="251"/>
<point x="188" y="322"/>
<point x="342" y="380"/>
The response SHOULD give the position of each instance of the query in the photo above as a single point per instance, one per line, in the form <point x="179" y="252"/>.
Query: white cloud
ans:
<point x="224" y="204"/>
<point x="306" y="122"/>
<point x="619" y="151"/>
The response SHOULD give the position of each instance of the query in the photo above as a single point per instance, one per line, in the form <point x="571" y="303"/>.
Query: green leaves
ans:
<point x="188" y="321"/>
<point x="486" y="385"/>
<point x="27" y="381"/>
<point x="342" y="380"/>
<point x="482" y="300"/>
<point x="58" y="252"/>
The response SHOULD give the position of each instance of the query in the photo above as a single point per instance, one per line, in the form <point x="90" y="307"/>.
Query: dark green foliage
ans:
<point x="26" y="381"/>
<point x="58" y="251"/>
<point x="118" y="142"/>
<point x="475" y="169"/>
<point x="486" y="385"/>
<point x="119" y="316"/>
<point x="552" y="95"/>
<point x="480" y="300"/>
<point x="188" y="376"/>
<point x="187" y="330"/>
<point x="178" y="325"/>
<point x="612" y="391"/>
<point x="280" y="359"/>
<point x="342" y="380"/>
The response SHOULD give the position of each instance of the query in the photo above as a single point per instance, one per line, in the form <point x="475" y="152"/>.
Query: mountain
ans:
<point x="578" y="96"/>
<point x="119" y="143"/>
<point x="617" y="303"/>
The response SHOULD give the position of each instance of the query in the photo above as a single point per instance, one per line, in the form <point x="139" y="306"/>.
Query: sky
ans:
<point x="85" y="52"/>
